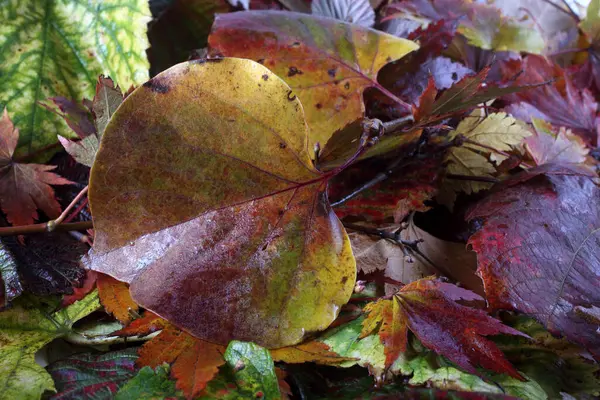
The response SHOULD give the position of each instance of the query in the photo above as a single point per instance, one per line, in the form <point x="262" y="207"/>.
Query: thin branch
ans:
<point x="41" y="228"/>
<point x="52" y="224"/>
<point x="493" y="150"/>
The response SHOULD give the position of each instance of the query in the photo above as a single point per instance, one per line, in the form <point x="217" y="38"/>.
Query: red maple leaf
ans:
<point x="24" y="188"/>
<point x="429" y="309"/>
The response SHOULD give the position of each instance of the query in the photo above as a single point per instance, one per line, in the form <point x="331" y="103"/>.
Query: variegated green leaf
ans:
<point x="58" y="48"/>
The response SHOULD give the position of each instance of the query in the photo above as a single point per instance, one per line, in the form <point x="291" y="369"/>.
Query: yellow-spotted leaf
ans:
<point x="58" y="48"/>
<point x="328" y="63"/>
<point x="206" y="202"/>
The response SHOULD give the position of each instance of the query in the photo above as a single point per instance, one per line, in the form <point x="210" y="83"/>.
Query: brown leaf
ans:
<point x="114" y="296"/>
<point x="546" y="146"/>
<point x="193" y="362"/>
<point x="539" y="251"/>
<point x="24" y="188"/>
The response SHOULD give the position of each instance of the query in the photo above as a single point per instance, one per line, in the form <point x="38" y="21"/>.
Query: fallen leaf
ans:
<point x="253" y="369"/>
<point x="427" y="307"/>
<point x="400" y="191"/>
<point x="357" y="12"/>
<point x="313" y="351"/>
<point x="546" y="146"/>
<point x="9" y="277"/>
<point x="25" y="330"/>
<point x="558" y="102"/>
<point x="89" y="283"/>
<point x="44" y="264"/>
<point x="115" y="298"/>
<point x="107" y="99"/>
<point x="193" y="362"/>
<point x="149" y="384"/>
<point x="64" y="47"/>
<point x="537" y="251"/>
<point x="147" y="324"/>
<point x="268" y="217"/>
<point x="24" y="188"/>
<point x="86" y="375"/>
<point x="327" y="63"/>
<point x="557" y="365"/>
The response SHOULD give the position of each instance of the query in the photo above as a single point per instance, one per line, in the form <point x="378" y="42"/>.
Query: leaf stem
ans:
<point x="493" y="150"/>
<point x="54" y="223"/>
<point x="43" y="227"/>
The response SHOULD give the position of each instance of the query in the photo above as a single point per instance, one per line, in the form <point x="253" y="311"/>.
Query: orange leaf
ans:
<point x="317" y="352"/>
<point x="146" y="325"/>
<point x="393" y="332"/>
<point x="194" y="362"/>
<point x="284" y="387"/>
<point x="114" y="296"/>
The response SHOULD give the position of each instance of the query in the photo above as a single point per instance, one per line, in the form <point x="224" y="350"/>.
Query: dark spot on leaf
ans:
<point x="319" y="105"/>
<point x="295" y="44"/>
<point x="347" y="86"/>
<point x="454" y="76"/>
<point x="282" y="145"/>
<point x="294" y="71"/>
<point x="388" y="59"/>
<point x="344" y="279"/>
<point x="331" y="72"/>
<point x="260" y="60"/>
<point x="265" y="77"/>
<point x="291" y="97"/>
<point x="157" y="85"/>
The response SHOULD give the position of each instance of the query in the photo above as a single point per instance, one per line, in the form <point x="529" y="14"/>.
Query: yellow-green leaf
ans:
<point x="23" y="331"/>
<point x="58" y="48"/>
<point x="328" y="63"/>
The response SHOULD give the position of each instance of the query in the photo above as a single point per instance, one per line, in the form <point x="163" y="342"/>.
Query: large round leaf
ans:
<point x="206" y="201"/>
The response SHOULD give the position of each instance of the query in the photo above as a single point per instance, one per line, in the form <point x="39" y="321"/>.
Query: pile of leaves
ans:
<point x="324" y="199"/>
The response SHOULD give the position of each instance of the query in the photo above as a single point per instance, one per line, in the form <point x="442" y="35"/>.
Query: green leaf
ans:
<point x="591" y="24"/>
<point x="253" y="369"/>
<point x="25" y="330"/>
<point x="58" y="48"/>
<point x="93" y="376"/>
<point x="150" y="384"/>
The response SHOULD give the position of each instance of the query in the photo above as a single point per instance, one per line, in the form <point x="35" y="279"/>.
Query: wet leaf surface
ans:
<point x="268" y="215"/>
<point x="538" y="251"/>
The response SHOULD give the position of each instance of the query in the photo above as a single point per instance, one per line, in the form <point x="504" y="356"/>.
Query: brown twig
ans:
<point x="43" y="227"/>
<point x="52" y="224"/>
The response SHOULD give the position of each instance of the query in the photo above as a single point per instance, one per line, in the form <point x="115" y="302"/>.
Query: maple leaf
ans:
<point x="559" y="102"/>
<point x="327" y="63"/>
<point x="538" y="250"/>
<point x="115" y="298"/>
<point x="428" y="308"/>
<point x="193" y="362"/>
<point x="263" y="237"/>
<point x="546" y="146"/>
<point x="24" y="188"/>
<point x="107" y="99"/>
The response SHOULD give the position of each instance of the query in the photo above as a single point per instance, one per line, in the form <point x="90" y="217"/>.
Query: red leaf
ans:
<point x="559" y="102"/>
<point x="24" y="188"/>
<point x="146" y="325"/>
<point x="539" y="251"/>
<point x="193" y="362"/>
<point x="79" y="293"/>
<point x="428" y="308"/>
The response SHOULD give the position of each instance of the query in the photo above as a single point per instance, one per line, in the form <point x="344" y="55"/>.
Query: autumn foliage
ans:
<point x="323" y="199"/>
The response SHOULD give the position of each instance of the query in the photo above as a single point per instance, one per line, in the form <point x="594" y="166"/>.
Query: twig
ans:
<point x="493" y="150"/>
<point x="569" y="12"/>
<point x="472" y="178"/>
<point x="40" y="228"/>
<point x="54" y="223"/>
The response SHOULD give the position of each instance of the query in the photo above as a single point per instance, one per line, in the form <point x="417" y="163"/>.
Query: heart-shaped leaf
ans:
<point x="205" y="200"/>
